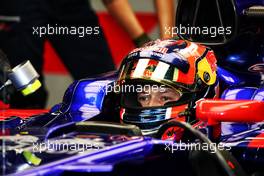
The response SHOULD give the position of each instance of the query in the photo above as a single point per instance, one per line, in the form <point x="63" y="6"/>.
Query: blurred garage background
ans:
<point x="57" y="77"/>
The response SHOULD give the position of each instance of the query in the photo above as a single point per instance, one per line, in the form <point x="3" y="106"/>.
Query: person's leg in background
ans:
<point x="83" y="54"/>
<point x="19" y="44"/>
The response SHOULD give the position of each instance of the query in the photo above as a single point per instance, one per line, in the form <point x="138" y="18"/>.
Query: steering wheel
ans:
<point x="206" y="162"/>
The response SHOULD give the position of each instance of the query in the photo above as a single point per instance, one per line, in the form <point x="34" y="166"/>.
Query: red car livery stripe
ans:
<point x="257" y="142"/>
<point x="22" y="113"/>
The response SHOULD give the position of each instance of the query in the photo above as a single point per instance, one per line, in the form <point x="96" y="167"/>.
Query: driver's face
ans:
<point x="150" y="98"/>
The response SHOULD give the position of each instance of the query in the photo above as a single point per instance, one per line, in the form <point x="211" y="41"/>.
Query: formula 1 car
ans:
<point x="82" y="135"/>
<point x="62" y="141"/>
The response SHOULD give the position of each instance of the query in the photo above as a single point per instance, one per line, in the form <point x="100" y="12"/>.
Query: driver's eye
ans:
<point x="143" y="98"/>
<point x="165" y="98"/>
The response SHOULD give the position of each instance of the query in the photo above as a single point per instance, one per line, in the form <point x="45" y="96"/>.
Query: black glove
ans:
<point x="4" y="66"/>
<point x="141" y="40"/>
<point x="4" y="69"/>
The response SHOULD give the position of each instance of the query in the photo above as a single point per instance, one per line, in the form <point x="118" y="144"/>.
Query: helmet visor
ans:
<point x="154" y="70"/>
<point x="146" y="94"/>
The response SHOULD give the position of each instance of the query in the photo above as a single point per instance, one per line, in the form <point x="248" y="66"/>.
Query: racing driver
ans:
<point x="163" y="80"/>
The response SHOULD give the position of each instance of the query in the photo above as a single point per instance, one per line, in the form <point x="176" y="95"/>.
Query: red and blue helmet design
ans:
<point x="186" y="67"/>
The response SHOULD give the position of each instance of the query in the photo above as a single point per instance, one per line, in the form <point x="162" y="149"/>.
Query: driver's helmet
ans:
<point x="162" y="79"/>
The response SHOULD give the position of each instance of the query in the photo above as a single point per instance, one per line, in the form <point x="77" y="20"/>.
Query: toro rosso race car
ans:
<point x="168" y="110"/>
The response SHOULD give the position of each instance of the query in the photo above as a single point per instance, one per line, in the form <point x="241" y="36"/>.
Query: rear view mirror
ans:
<point x="216" y="111"/>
